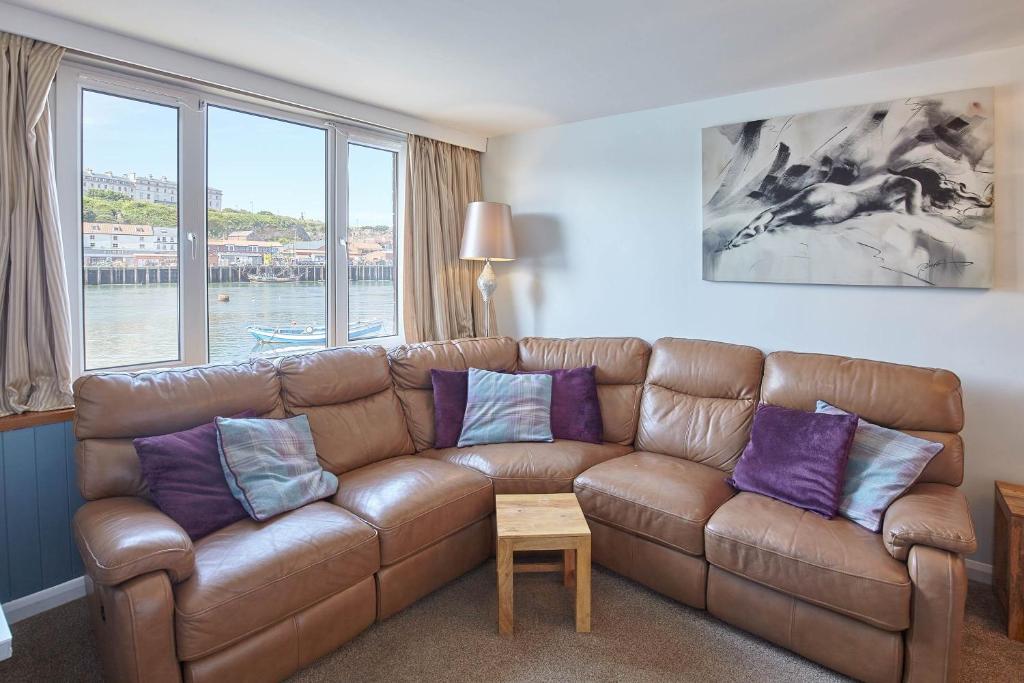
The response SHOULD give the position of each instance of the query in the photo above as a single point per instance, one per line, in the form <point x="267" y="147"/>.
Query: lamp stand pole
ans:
<point x="487" y="283"/>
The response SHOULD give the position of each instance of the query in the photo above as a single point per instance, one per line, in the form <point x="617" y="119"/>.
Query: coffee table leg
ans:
<point x="569" y="568"/>
<point x="505" y="581"/>
<point x="583" y="586"/>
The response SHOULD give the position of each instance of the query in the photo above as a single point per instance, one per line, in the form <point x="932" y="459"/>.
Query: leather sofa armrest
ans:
<point x="933" y="642"/>
<point x="934" y="515"/>
<point x="121" y="538"/>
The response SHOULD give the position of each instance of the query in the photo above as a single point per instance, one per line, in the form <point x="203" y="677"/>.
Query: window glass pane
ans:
<point x="266" y="235"/>
<point x="372" y="290"/>
<point x="129" y="231"/>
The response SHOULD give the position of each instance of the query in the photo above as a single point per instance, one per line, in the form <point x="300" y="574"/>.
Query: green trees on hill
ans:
<point x="109" y="195"/>
<point x="107" y="206"/>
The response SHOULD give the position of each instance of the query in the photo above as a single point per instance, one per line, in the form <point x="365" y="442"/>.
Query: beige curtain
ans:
<point x="35" y="341"/>
<point x="441" y="299"/>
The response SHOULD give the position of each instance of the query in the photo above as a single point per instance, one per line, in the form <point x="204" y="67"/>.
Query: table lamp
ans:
<point x="487" y="237"/>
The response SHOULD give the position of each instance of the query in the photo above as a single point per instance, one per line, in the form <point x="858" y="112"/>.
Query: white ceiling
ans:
<point x="498" y="66"/>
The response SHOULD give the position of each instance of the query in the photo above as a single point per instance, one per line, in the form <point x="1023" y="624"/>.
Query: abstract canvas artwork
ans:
<point x="897" y="193"/>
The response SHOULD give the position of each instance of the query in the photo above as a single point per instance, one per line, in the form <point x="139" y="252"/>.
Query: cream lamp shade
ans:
<point x="487" y="235"/>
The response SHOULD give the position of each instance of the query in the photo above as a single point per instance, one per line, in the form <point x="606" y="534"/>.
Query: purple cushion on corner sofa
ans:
<point x="797" y="457"/>
<point x="575" y="410"/>
<point x="451" y="388"/>
<point x="186" y="479"/>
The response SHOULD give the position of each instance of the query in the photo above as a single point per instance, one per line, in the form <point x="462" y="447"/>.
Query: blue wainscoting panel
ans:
<point x="75" y="499"/>
<point x="38" y="497"/>
<point x="22" y="498"/>
<point x="5" y="574"/>
<point x="54" y="521"/>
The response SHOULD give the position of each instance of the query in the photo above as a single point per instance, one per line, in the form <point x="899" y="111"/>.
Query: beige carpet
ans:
<point x="451" y="635"/>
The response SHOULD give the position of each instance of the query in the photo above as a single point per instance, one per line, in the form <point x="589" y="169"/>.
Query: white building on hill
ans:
<point x="144" y="188"/>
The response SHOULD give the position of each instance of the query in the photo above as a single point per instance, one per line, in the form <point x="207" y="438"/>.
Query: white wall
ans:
<point x="608" y="223"/>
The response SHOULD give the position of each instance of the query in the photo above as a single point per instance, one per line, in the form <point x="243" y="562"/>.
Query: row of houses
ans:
<point x="130" y="245"/>
<point x="106" y="244"/>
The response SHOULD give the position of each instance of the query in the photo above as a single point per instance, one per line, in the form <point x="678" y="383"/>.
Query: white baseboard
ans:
<point x="979" y="571"/>
<point x="36" y="603"/>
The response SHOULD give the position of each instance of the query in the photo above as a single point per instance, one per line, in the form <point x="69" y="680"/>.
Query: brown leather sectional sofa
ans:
<point x="257" y="601"/>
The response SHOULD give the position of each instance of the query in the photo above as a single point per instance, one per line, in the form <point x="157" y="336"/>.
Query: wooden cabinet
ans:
<point x="1008" y="562"/>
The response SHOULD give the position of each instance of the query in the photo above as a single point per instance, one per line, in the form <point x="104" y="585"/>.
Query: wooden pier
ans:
<point x="144" y="275"/>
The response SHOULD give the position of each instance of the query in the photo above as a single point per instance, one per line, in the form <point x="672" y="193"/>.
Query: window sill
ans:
<point x="36" y="419"/>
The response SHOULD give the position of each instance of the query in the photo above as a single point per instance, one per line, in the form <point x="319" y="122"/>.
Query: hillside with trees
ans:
<point x="107" y="206"/>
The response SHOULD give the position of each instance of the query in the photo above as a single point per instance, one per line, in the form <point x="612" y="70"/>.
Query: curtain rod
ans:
<point x="92" y="57"/>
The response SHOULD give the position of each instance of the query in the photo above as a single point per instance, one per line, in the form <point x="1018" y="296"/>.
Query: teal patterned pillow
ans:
<point x="883" y="464"/>
<point x="503" y="408"/>
<point x="271" y="465"/>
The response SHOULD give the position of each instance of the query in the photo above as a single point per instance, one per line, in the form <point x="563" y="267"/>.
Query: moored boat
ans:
<point x="312" y="334"/>
<point x="271" y="277"/>
<point x="365" y="329"/>
<point x="289" y="334"/>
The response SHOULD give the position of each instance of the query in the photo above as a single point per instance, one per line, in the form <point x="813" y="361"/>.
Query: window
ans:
<point x="274" y="174"/>
<point x="245" y="230"/>
<point x="125" y="323"/>
<point x="372" y="290"/>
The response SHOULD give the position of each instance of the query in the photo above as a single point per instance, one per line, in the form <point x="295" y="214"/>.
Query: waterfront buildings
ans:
<point x="238" y="252"/>
<point x="312" y="252"/>
<point x="137" y="245"/>
<point x="125" y="245"/>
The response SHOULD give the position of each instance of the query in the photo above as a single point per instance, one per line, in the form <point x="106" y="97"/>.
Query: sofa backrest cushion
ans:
<point x="924" y="402"/>
<point x="621" y="367"/>
<point x="699" y="400"/>
<point x="411" y="365"/>
<point x="350" y="401"/>
<point x="113" y="408"/>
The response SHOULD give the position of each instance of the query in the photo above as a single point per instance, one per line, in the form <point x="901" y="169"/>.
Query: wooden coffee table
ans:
<point x="547" y="521"/>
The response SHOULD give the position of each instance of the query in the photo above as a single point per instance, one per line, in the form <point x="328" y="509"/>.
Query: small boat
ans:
<point x="312" y="334"/>
<point x="365" y="329"/>
<point x="272" y="277"/>
<point x="289" y="334"/>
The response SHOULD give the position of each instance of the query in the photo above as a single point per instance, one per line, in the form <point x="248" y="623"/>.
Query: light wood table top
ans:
<point x="544" y="515"/>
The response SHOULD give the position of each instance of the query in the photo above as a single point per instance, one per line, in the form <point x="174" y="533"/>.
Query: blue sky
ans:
<point x="259" y="163"/>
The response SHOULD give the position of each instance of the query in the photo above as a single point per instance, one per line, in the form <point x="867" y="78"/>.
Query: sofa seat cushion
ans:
<point x="832" y="563"/>
<point x="414" y="502"/>
<point x="530" y="467"/>
<point x="250" y="575"/>
<point x="661" y="498"/>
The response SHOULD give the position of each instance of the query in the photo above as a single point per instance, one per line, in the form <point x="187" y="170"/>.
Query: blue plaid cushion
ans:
<point x="501" y="408"/>
<point x="883" y="464"/>
<point x="271" y="465"/>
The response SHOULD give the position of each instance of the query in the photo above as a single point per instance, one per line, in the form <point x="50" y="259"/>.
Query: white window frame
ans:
<point x="191" y="100"/>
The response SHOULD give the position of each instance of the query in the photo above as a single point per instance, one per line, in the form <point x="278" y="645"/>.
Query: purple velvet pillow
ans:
<point x="575" y="410"/>
<point x="450" y="390"/>
<point x="186" y="479"/>
<point x="797" y="457"/>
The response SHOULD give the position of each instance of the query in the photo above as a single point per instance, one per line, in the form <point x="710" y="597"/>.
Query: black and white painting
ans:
<point x="895" y="193"/>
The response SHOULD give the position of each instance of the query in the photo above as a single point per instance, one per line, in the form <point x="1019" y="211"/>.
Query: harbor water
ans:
<point x="130" y="324"/>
